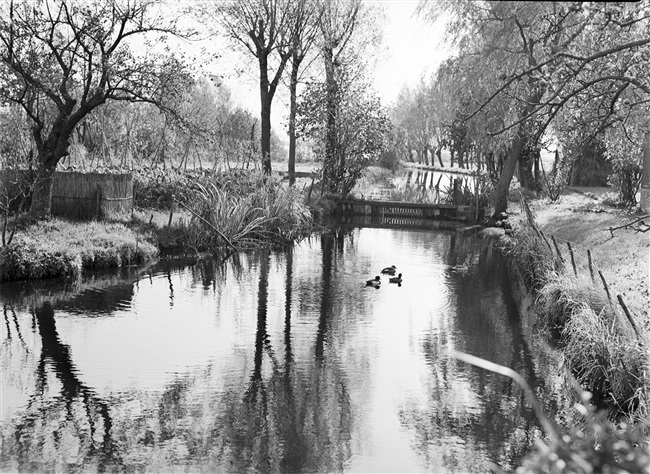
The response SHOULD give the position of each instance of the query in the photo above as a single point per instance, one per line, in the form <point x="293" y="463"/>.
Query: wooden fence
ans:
<point x="75" y="195"/>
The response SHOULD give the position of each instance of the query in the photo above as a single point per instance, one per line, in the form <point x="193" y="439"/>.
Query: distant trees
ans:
<point x="59" y="61"/>
<point x="525" y="69"/>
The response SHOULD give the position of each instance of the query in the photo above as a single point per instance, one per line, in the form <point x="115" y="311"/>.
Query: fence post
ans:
<point x="609" y="297"/>
<point x="99" y="198"/>
<point x="629" y="316"/>
<point x="591" y="268"/>
<point x="573" y="262"/>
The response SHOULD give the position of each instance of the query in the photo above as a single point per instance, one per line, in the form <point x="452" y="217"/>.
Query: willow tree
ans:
<point x="537" y="57"/>
<point x="60" y="60"/>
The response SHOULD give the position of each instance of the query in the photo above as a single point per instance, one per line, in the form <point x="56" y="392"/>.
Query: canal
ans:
<point x="272" y="361"/>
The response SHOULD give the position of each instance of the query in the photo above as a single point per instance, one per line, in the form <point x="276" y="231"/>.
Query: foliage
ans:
<point x="59" y="61"/>
<point x="523" y="69"/>
<point x="596" y="446"/>
<point x="361" y="128"/>
<point x="555" y="181"/>
<point x="247" y="214"/>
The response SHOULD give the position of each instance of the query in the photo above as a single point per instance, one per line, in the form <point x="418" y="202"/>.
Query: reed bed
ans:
<point x="268" y="214"/>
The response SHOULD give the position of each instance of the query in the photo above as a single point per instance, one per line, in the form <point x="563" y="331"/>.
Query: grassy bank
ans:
<point x="59" y="248"/>
<point x="210" y="212"/>
<point x="607" y="348"/>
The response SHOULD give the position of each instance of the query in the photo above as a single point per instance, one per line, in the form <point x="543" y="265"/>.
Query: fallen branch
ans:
<point x="631" y="224"/>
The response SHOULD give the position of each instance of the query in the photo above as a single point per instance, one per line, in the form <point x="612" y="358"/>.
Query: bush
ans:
<point x="626" y="179"/>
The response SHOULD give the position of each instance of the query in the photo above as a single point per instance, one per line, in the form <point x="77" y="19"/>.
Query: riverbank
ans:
<point x="589" y="279"/>
<point x="60" y="248"/>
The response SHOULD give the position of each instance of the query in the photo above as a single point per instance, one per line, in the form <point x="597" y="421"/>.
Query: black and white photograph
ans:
<point x="324" y="236"/>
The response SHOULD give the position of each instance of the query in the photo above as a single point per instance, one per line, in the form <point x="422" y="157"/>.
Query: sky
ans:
<point x="413" y="48"/>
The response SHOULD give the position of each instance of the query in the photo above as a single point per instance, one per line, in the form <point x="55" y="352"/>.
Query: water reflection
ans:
<point x="273" y="361"/>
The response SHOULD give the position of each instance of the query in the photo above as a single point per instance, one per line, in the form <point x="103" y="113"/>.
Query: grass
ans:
<point x="604" y="353"/>
<point x="58" y="247"/>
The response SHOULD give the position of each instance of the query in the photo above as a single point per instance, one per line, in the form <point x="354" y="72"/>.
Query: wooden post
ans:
<point x="546" y="240"/>
<point x="629" y="316"/>
<point x="171" y="212"/>
<point x="609" y="297"/>
<point x="98" y="203"/>
<point x="591" y="268"/>
<point x="573" y="262"/>
<point x="557" y="248"/>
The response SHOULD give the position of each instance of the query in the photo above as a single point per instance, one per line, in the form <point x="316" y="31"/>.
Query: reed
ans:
<point x="270" y="214"/>
<point x="532" y="256"/>
<point x="607" y="359"/>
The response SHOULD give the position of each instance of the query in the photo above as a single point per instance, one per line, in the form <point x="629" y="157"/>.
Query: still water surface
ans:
<point x="271" y="361"/>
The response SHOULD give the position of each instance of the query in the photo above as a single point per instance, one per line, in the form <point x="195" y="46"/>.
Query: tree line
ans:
<point x="521" y="76"/>
<point x="525" y="76"/>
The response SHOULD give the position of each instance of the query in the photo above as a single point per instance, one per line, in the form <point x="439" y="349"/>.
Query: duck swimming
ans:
<point x="397" y="279"/>
<point x="390" y="270"/>
<point x="376" y="282"/>
<point x="459" y="269"/>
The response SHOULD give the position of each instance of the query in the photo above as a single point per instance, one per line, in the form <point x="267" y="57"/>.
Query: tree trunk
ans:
<point x="330" y="165"/>
<point x="645" y="175"/>
<point x="500" y="193"/>
<point x="265" y="111"/>
<point x="503" y="185"/>
<point x="439" y="155"/>
<point x="41" y="207"/>
<point x="265" y="134"/>
<point x="292" y="120"/>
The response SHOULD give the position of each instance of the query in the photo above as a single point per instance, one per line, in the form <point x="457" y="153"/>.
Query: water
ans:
<point x="271" y="361"/>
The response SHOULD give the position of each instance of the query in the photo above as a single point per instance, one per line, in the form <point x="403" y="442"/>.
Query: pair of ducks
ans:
<point x="376" y="282"/>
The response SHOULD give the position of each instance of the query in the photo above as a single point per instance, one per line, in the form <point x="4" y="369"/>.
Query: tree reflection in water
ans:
<point x="272" y="429"/>
<point x="296" y="359"/>
<point x="58" y="431"/>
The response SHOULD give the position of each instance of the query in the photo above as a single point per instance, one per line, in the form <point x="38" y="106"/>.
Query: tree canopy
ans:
<point x="523" y="70"/>
<point x="60" y="60"/>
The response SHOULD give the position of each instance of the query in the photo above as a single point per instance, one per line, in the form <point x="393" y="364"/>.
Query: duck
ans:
<point x="459" y="269"/>
<point x="376" y="282"/>
<point x="397" y="279"/>
<point x="389" y="270"/>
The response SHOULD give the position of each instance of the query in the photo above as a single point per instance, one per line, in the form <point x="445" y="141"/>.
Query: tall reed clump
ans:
<point x="533" y="254"/>
<point x="267" y="214"/>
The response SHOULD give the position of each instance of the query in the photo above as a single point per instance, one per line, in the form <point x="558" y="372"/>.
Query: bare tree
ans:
<point x="60" y="60"/>
<point x="304" y="35"/>
<point x="264" y="28"/>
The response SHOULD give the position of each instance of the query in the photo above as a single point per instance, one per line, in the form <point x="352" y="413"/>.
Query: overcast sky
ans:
<point x="413" y="49"/>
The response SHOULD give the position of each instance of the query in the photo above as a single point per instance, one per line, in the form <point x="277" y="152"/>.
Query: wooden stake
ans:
<point x="546" y="240"/>
<point x="591" y="268"/>
<point x="629" y="316"/>
<point x="573" y="262"/>
<point x="609" y="297"/>
<point x="557" y="248"/>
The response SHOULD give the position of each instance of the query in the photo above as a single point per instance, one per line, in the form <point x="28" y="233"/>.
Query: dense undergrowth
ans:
<point x="228" y="210"/>
<point x="608" y="357"/>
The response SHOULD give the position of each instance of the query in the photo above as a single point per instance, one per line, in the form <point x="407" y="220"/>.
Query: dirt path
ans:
<point x="582" y="218"/>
